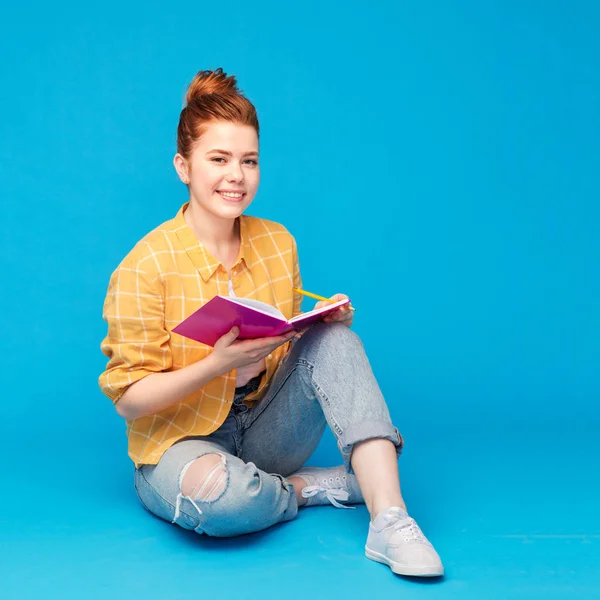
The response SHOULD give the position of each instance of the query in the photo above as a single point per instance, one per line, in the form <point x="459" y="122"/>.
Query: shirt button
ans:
<point x="234" y="273"/>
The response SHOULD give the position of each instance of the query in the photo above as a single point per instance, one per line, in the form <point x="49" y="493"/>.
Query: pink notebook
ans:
<point x="254" y="318"/>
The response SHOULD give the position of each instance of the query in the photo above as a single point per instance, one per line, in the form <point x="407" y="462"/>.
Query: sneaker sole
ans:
<point x="414" y="571"/>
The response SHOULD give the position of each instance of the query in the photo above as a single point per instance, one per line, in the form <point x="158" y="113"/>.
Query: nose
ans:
<point x="235" y="172"/>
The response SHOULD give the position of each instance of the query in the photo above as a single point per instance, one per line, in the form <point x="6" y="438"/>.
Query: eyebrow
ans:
<point x="227" y="153"/>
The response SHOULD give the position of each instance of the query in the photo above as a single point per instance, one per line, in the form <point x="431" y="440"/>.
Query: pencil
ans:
<point x="317" y="297"/>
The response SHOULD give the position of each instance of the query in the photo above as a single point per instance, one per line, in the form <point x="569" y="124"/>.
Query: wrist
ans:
<point x="213" y="365"/>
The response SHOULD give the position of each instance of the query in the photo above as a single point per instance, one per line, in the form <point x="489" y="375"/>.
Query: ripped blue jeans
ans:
<point x="325" y="379"/>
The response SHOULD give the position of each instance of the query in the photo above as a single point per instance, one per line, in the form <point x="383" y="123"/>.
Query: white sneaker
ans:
<point x="327" y="485"/>
<point x="396" y="540"/>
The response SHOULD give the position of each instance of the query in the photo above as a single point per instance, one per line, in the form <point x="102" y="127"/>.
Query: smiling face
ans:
<point x="222" y="171"/>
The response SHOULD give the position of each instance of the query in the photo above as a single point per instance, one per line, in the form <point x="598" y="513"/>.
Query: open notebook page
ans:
<point x="271" y="310"/>
<point x="316" y="311"/>
<point x="258" y="305"/>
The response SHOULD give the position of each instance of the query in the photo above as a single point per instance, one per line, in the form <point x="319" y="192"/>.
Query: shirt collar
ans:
<point x="203" y="260"/>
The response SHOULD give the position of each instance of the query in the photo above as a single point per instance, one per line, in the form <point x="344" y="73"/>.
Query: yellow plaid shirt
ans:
<point x="165" y="278"/>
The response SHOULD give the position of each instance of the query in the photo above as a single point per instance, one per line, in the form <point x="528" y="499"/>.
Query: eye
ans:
<point x="220" y="160"/>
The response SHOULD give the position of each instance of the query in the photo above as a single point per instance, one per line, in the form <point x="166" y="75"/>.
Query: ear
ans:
<point x="182" y="168"/>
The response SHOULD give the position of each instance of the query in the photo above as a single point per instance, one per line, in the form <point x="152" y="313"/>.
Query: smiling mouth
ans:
<point x="232" y="195"/>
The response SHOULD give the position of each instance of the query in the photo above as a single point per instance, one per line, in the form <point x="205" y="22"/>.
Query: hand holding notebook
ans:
<point x="255" y="319"/>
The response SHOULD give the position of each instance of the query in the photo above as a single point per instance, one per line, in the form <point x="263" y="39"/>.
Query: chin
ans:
<point x="232" y="211"/>
<point x="222" y="209"/>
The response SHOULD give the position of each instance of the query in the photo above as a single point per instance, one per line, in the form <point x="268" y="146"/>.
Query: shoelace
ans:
<point x="332" y="494"/>
<point x="408" y="527"/>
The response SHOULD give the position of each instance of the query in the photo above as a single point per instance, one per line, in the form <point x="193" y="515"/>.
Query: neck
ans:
<point x="212" y="231"/>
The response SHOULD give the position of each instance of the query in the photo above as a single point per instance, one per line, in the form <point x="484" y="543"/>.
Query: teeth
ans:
<point x="231" y="195"/>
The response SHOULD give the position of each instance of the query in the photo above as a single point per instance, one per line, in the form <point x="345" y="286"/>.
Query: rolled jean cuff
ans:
<point x="367" y="430"/>
<point x="291" y="511"/>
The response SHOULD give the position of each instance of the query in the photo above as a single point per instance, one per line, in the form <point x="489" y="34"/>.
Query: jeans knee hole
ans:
<point x="210" y="486"/>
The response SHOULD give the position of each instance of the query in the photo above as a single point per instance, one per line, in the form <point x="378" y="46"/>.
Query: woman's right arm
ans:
<point x="158" y="391"/>
<point x="139" y="376"/>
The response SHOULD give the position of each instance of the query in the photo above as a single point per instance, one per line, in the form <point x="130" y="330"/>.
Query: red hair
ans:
<point x="212" y="96"/>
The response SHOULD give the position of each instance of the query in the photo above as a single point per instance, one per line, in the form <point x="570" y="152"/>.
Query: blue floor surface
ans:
<point x="513" y="516"/>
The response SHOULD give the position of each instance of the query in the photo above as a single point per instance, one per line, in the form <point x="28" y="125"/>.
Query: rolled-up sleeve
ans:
<point x="137" y="342"/>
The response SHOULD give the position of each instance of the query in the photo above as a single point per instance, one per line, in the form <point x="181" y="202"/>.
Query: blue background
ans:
<point x="437" y="161"/>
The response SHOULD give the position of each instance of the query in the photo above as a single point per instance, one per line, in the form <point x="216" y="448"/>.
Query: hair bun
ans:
<point x="211" y="82"/>
<point x="212" y="96"/>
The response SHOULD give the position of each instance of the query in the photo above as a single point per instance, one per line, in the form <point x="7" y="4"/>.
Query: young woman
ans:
<point x="219" y="436"/>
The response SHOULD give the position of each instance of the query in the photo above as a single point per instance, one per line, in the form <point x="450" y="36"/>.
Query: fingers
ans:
<point x="266" y="344"/>
<point x="265" y="349"/>
<point x="338" y="319"/>
<point x="334" y="298"/>
<point x="275" y="342"/>
<point x="230" y="336"/>
<point x="341" y="315"/>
